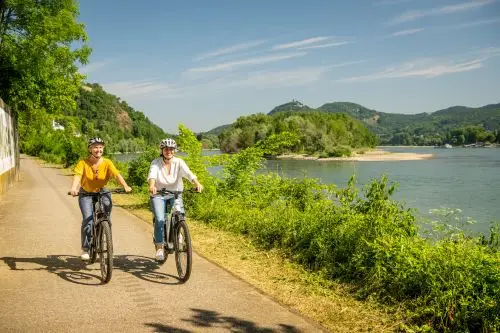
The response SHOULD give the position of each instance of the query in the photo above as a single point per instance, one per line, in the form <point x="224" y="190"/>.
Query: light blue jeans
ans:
<point x="87" y="208"/>
<point x="159" y="206"/>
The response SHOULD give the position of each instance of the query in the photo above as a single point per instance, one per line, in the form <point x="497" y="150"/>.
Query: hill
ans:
<point x="312" y="132"/>
<point x="293" y="106"/>
<point x="99" y="113"/>
<point x="456" y="125"/>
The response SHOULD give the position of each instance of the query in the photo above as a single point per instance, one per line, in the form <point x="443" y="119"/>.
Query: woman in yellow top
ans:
<point x="91" y="176"/>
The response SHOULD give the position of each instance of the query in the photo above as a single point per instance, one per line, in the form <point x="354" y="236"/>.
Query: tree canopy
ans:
<point x="307" y="132"/>
<point x="41" y="43"/>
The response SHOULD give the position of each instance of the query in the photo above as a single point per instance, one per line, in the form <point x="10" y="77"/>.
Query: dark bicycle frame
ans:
<point x="101" y="224"/>
<point x="177" y="220"/>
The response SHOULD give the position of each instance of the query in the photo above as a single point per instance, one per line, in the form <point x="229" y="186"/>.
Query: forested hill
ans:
<point x="455" y="125"/>
<point x="99" y="113"/>
<point x="312" y="133"/>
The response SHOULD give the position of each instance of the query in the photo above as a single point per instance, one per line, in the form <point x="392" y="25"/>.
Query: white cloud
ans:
<point x="489" y="52"/>
<point x="94" y="66"/>
<point x="273" y="79"/>
<point x="228" y="66"/>
<point x="406" y="32"/>
<point x="420" y="68"/>
<point x="390" y="2"/>
<point x="475" y="23"/>
<point x="300" y="43"/>
<point x="320" y="46"/>
<point x="229" y="50"/>
<point x="142" y="88"/>
<point x="451" y="9"/>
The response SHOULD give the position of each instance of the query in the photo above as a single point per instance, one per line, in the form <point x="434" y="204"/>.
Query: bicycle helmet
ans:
<point x="168" y="143"/>
<point x="95" y="140"/>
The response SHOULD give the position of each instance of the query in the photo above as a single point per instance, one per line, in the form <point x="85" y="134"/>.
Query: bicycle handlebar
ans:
<point x="165" y="191"/>
<point x="115" y="190"/>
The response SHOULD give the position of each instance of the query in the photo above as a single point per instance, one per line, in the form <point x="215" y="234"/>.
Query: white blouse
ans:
<point x="172" y="181"/>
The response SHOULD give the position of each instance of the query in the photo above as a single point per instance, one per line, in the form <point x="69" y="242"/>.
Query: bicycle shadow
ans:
<point x="144" y="268"/>
<point x="73" y="269"/>
<point x="213" y="319"/>
<point x="69" y="268"/>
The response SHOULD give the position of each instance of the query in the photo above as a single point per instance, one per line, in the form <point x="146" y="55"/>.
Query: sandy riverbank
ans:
<point x="369" y="156"/>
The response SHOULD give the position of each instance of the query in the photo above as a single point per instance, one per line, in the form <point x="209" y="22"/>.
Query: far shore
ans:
<point x="368" y="156"/>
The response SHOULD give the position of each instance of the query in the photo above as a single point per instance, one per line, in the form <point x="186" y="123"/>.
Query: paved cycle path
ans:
<point x="44" y="286"/>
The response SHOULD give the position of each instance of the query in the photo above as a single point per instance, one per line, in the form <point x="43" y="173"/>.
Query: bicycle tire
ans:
<point x="183" y="248"/>
<point x="106" y="251"/>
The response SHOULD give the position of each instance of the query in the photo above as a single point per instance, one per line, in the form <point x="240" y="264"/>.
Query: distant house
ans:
<point x="56" y="126"/>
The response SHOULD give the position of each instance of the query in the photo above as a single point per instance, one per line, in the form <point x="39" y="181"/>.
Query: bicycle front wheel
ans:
<point x="183" y="250"/>
<point x="106" y="252"/>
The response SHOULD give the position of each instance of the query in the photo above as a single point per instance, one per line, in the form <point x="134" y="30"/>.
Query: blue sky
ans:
<point x="204" y="63"/>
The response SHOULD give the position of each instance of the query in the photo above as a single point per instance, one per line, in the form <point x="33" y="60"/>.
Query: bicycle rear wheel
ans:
<point x="183" y="250"/>
<point x="106" y="251"/>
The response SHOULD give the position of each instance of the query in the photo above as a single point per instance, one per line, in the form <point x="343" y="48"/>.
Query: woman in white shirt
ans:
<point x="166" y="171"/>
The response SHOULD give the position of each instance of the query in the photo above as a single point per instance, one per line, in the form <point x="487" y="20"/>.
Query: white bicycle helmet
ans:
<point x="95" y="140"/>
<point x="168" y="143"/>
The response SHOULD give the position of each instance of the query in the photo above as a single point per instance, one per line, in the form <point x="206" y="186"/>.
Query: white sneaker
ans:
<point x="160" y="255"/>
<point x="85" y="256"/>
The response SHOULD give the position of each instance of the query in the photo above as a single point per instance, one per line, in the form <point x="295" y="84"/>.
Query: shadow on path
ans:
<point x="73" y="269"/>
<point x="144" y="268"/>
<point x="209" y="319"/>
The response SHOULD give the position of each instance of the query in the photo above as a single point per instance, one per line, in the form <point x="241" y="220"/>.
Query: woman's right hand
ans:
<point x="73" y="192"/>
<point x="152" y="189"/>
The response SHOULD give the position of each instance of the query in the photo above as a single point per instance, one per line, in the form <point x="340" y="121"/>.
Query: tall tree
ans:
<point x="41" y="42"/>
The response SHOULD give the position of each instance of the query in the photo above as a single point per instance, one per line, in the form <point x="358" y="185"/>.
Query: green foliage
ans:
<point x="74" y="150"/>
<point x="37" y="55"/>
<point x="456" y="125"/>
<point x="276" y="144"/>
<point x="191" y="147"/>
<point x="339" y="152"/>
<point x="97" y="114"/>
<point x="306" y="132"/>
<point x="292" y="106"/>
<point x="138" y="168"/>
<point x="124" y="129"/>
<point x="240" y="169"/>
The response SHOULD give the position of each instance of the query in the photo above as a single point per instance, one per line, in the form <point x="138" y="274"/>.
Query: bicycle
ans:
<point x="101" y="237"/>
<point x="178" y="234"/>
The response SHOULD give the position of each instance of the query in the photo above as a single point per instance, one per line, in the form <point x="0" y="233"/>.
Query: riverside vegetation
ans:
<point x="443" y="279"/>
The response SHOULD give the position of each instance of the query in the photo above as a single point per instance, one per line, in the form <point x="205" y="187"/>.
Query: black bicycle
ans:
<point x="101" y="237"/>
<point x="177" y="234"/>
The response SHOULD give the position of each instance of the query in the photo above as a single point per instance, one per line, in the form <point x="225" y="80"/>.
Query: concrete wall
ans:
<point x="9" y="149"/>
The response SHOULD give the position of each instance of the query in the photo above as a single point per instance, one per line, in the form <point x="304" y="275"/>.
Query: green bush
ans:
<point x="339" y="152"/>
<point x="138" y="168"/>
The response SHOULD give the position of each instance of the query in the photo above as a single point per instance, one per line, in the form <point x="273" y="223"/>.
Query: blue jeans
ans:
<point x="85" y="200"/>
<point x="159" y="204"/>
